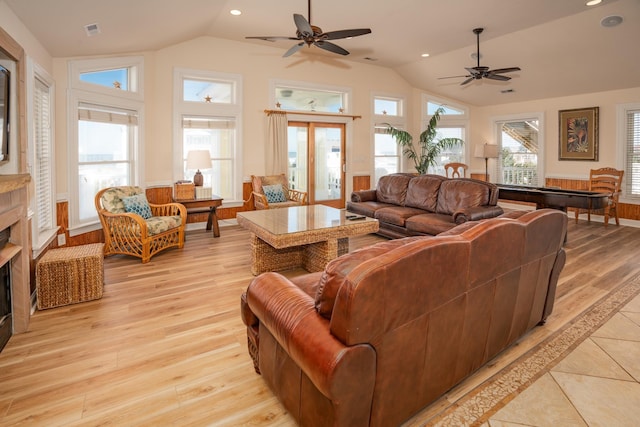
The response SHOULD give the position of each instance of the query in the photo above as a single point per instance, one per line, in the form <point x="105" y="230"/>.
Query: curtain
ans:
<point x="276" y="156"/>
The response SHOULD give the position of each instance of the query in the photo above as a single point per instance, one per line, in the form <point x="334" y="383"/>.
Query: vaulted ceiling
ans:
<point x="561" y="46"/>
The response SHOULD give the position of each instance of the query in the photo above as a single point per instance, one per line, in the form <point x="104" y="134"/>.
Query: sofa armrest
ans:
<point x="364" y="196"/>
<point x="338" y="371"/>
<point x="476" y="213"/>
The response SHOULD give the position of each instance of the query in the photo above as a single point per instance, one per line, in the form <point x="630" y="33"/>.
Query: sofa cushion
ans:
<point x="396" y="215"/>
<point x="274" y="193"/>
<point x="457" y="194"/>
<point x="335" y="272"/>
<point x="393" y="188"/>
<point x="160" y="224"/>
<point x="422" y="192"/>
<point x="367" y="208"/>
<point x="430" y="223"/>
<point x="112" y="198"/>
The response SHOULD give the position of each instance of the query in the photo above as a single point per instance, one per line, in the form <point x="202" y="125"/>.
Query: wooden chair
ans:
<point x="605" y="180"/>
<point x="129" y="233"/>
<point x="279" y="192"/>
<point x="458" y="170"/>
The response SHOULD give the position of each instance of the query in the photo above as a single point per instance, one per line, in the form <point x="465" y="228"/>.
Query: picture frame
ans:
<point x="578" y="134"/>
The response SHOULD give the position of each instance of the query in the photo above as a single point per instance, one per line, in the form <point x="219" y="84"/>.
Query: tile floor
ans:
<point x="597" y="384"/>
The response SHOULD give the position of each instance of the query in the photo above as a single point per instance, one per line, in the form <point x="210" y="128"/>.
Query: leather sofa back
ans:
<point x="436" y="309"/>
<point x="422" y="192"/>
<point x="393" y="188"/>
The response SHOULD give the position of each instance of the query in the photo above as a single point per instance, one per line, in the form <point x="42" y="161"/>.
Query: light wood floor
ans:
<point x="166" y="346"/>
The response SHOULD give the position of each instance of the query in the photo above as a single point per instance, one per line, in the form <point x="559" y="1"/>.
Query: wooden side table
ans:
<point x="202" y="205"/>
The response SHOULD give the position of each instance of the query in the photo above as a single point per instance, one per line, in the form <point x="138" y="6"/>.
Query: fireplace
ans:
<point x="6" y="326"/>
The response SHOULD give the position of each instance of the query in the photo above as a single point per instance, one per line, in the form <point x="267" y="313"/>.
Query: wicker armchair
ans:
<point x="289" y="197"/>
<point x="129" y="233"/>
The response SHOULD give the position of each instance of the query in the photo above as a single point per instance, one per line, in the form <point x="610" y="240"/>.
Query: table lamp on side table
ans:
<point x="486" y="151"/>
<point x="198" y="159"/>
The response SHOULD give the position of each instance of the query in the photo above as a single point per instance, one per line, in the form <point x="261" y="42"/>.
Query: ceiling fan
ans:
<point x="480" y="72"/>
<point x="311" y="35"/>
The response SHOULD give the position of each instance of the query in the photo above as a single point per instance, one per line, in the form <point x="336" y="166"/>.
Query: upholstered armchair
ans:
<point x="273" y="191"/>
<point x="133" y="226"/>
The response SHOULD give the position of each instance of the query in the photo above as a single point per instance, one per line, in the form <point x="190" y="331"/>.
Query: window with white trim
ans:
<point x="387" y="154"/>
<point x="105" y="133"/>
<point x="208" y="114"/>
<point x="41" y="147"/>
<point x="629" y="129"/>
<point x="453" y="123"/>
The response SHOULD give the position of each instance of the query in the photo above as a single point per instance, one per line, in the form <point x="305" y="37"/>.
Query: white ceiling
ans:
<point x="559" y="44"/>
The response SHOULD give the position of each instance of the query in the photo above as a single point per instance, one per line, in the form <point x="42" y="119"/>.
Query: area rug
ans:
<point x="485" y="400"/>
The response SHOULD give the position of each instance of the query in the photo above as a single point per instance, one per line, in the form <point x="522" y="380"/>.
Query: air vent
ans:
<point x="92" y="29"/>
<point x="507" y="91"/>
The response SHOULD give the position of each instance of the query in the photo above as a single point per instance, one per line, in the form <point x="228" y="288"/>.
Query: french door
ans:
<point x="317" y="161"/>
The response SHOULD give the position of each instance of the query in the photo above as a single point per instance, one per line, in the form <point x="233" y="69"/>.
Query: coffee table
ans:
<point x="300" y="236"/>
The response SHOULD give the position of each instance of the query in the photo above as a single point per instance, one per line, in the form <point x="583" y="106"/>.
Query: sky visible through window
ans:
<point x="107" y="78"/>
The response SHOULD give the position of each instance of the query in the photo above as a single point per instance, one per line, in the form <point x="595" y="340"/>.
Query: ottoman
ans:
<point x="70" y="275"/>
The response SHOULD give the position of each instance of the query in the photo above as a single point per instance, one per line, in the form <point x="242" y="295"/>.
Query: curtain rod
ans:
<point x="311" y="113"/>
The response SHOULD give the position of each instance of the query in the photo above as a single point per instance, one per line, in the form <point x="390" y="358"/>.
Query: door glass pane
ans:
<point x="519" y="153"/>
<point x="297" y="147"/>
<point x="328" y="169"/>
<point x="455" y="154"/>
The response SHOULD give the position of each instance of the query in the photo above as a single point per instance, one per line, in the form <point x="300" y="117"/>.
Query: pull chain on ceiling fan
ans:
<point x="479" y="72"/>
<point x="311" y="35"/>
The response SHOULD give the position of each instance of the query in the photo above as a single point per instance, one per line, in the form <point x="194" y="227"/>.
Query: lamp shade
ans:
<point x="198" y="159"/>
<point x="479" y="151"/>
<point x="490" y="151"/>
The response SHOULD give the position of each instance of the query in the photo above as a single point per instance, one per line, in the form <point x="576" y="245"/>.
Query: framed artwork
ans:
<point x="578" y="134"/>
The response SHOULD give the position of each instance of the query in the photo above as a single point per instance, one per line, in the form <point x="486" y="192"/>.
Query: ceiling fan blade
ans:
<point x="497" y="77"/>
<point x="294" y="49"/>
<point x="343" y="34"/>
<point x="331" y="47"/>
<point x="474" y="71"/>
<point x="453" y="77"/>
<point x="469" y="80"/>
<point x="302" y="25"/>
<point x="504" y="70"/>
<point x="272" y="38"/>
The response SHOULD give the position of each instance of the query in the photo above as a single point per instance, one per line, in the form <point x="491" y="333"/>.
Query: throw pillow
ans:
<point x="274" y="193"/>
<point x="137" y="204"/>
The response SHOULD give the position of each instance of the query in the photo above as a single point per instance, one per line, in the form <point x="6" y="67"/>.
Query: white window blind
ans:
<point x="43" y="155"/>
<point x="632" y="141"/>
<point x="102" y="114"/>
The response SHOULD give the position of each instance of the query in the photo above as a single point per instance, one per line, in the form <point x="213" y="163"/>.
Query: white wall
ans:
<point x="482" y="130"/>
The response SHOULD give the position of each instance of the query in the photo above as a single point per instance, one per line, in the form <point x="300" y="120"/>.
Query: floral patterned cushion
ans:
<point x="160" y="224"/>
<point x="137" y="204"/>
<point x="112" y="198"/>
<point x="274" y="193"/>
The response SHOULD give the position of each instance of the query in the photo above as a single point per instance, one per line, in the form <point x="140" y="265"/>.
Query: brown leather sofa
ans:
<point x="386" y="330"/>
<point x="413" y="205"/>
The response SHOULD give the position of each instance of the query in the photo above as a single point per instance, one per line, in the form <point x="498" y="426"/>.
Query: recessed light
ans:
<point x="611" y="21"/>
<point x="235" y="12"/>
<point x="593" y="2"/>
<point x="425" y="55"/>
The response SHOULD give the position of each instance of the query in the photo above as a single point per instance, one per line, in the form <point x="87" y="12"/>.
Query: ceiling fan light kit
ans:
<point x="312" y="35"/>
<point x="482" y="72"/>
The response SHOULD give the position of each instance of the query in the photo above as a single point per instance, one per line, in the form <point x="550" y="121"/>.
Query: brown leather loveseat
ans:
<point x="413" y="205"/>
<point x="385" y="330"/>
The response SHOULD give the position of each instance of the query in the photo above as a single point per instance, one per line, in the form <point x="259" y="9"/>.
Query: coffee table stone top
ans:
<point x="298" y="225"/>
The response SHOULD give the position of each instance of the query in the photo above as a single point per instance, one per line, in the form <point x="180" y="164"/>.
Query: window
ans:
<point x="208" y="117"/>
<point x="387" y="153"/>
<point x="105" y="142"/>
<point x="629" y="129"/>
<point x="520" y="150"/>
<point x="304" y="97"/>
<point x="41" y="150"/>
<point x="453" y="123"/>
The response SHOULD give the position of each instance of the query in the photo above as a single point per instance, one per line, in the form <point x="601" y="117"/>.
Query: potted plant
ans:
<point x="430" y="147"/>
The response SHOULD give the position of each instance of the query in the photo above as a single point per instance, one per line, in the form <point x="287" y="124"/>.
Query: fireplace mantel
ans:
<point x="13" y="215"/>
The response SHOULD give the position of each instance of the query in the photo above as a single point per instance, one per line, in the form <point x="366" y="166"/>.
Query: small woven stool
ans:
<point x="70" y="275"/>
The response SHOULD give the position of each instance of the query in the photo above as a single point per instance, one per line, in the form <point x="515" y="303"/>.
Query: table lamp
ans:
<point x="486" y="151"/>
<point x="198" y="159"/>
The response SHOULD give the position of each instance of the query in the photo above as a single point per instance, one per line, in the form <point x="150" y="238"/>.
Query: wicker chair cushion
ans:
<point x="274" y="193"/>
<point x="258" y="182"/>
<point x="137" y="204"/>
<point x="160" y="224"/>
<point x="112" y="198"/>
